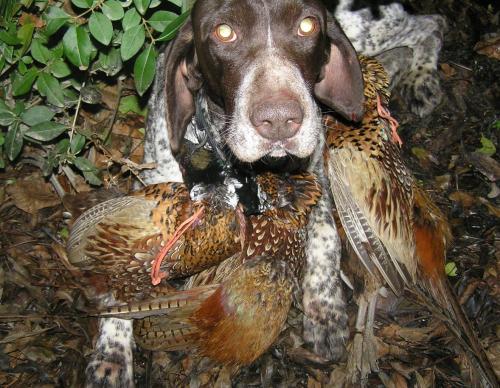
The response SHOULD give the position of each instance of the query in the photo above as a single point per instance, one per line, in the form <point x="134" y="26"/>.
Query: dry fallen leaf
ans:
<point x="465" y="199"/>
<point x="443" y="181"/>
<point x="486" y="165"/>
<point x="492" y="209"/>
<point x="448" y="71"/>
<point x="489" y="47"/>
<point x="32" y="194"/>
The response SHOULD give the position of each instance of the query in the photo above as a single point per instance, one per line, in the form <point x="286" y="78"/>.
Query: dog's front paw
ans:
<point x="111" y="364"/>
<point x="108" y="371"/>
<point x="422" y="91"/>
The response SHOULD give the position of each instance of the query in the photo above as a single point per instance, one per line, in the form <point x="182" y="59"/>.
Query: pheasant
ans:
<point x="246" y="266"/>
<point x="392" y="225"/>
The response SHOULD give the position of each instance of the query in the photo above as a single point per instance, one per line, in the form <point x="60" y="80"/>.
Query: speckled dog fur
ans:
<point x="423" y="34"/>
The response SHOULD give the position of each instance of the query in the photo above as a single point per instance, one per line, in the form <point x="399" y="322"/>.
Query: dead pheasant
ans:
<point x="231" y="312"/>
<point x="392" y="225"/>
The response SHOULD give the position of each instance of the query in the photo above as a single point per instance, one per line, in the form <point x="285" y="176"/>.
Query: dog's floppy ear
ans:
<point x="182" y="80"/>
<point x="341" y="87"/>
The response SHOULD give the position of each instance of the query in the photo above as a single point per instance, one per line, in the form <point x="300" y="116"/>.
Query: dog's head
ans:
<point x="262" y="65"/>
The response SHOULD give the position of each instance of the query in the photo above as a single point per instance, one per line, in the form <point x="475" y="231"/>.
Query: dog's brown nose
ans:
<point x="277" y="119"/>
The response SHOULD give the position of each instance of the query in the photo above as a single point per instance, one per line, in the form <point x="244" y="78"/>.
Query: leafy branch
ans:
<point x="50" y="50"/>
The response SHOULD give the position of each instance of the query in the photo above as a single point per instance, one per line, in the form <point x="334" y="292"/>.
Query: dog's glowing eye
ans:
<point x="307" y="26"/>
<point x="225" y="33"/>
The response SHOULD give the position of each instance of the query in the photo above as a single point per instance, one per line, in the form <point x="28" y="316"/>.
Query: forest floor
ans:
<point x="45" y="334"/>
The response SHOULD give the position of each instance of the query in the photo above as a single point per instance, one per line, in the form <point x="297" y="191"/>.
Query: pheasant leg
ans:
<point x="362" y="358"/>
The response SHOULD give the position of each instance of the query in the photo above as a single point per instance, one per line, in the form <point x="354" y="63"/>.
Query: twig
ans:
<point x="57" y="186"/>
<point x="115" y="111"/>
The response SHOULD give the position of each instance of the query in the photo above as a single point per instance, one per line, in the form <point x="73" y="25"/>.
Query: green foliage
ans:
<point x="49" y="50"/>
<point x="487" y="147"/>
<point x="451" y="269"/>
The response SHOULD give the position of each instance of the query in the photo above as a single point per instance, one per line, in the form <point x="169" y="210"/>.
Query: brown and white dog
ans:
<point x="253" y="78"/>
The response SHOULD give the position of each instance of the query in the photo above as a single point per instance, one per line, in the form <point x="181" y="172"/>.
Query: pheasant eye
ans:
<point x="225" y="33"/>
<point x="307" y="26"/>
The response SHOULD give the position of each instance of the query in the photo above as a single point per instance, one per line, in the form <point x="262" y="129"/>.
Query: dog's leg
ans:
<point x="325" y="316"/>
<point x="421" y="88"/>
<point x="111" y="362"/>
<point x="396" y="63"/>
<point x="396" y="28"/>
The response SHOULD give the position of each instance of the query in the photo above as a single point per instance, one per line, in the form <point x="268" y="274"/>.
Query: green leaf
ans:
<point x="7" y="117"/>
<point x="132" y="41"/>
<point x="25" y="33"/>
<point x="101" y="28"/>
<point x="59" y="69"/>
<point x="71" y="97"/>
<point x="55" y="18"/>
<point x="27" y="60"/>
<point x="50" y="88"/>
<point x="62" y="147"/>
<point x="161" y="19"/>
<point x="13" y="142"/>
<point x="19" y="108"/>
<point x="9" y="38"/>
<point x="58" y="50"/>
<point x="77" y="143"/>
<point x="64" y="232"/>
<point x="144" y="69"/>
<point x="2" y="63"/>
<point x="2" y="139"/>
<point x="7" y="52"/>
<point x="41" y="53"/>
<point x="92" y="178"/>
<point x="46" y="131"/>
<point x="36" y="115"/>
<point x="131" y="104"/>
<point x="131" y="19"/>
<point x="451" y="269"/>
<point x="22" y="84"/>
<point x="110" y="63"/>
<point x="82" y="3"/>
<point x="113" y="10"/>
<point x="21" y="66"/>
<point x="83" y="164"/>
<point x="171" y="30"/>
<point x="488" y="148"/>
<point x="141" y="5"/>
<point x="78" y="47"/>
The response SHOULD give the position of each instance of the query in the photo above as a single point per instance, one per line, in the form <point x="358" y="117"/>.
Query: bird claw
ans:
<point x="362" y="358"/>
<point x="363" y="352"/>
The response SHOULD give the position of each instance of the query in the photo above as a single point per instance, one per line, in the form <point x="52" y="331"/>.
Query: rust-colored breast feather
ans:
<point x="246" y="314"/>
